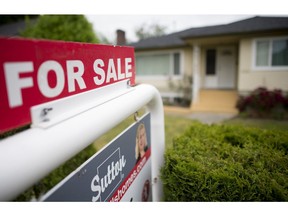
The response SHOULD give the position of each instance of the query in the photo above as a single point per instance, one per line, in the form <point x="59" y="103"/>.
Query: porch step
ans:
<point x="216" y="101"/>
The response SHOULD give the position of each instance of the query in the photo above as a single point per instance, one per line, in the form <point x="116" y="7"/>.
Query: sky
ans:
<point x="109" y="15"/>
<point x="108" y="24"/>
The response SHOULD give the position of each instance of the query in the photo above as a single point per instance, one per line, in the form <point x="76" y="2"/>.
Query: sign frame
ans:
<point x="44" y="149"/>
<point x="77" y="185"/>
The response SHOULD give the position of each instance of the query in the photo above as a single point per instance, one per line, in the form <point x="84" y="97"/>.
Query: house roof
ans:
<point x="250" y="25"/>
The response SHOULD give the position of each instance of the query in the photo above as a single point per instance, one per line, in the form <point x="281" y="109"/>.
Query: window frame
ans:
<point x="270" y="66"/>
<point x="170" y="74"/>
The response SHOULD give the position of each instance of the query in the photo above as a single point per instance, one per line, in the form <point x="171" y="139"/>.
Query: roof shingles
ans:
<point x="254" y="24"/>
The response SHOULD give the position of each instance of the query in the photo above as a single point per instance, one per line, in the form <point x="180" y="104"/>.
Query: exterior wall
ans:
<point x="250" y="78"/>
<point x="187" y="61"/>
<point x="170" y="85"/>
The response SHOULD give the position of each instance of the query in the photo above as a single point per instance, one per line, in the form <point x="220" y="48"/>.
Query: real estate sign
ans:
<point x="119" y="172"/>
<point x="34" y="72"/>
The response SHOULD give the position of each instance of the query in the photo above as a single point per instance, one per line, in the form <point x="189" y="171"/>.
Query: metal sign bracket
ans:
<point x="51" y="113"/>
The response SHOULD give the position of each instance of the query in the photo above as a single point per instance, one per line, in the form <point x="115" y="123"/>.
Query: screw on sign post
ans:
<point x="67" y="89"/>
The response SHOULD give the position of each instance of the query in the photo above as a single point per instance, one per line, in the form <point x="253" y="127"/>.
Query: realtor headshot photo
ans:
<point x="141" y="142"/>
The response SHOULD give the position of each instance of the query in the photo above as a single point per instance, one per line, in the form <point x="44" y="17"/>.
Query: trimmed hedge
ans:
<point x="227" y="163"/>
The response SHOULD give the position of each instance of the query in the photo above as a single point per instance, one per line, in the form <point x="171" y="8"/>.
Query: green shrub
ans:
<point x="227" y="163"/>
<point x="263" y="103"/>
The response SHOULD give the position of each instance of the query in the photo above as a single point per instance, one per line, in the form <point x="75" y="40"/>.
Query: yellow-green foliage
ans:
<point x="227" y="163"/>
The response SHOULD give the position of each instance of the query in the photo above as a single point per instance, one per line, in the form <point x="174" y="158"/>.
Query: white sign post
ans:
<point x="27" y="157"/>
<point x="82" y="111"/>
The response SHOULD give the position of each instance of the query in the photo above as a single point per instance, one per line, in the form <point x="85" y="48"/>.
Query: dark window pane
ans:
<point x="176" y="63"/>
<point x="280" y="53"/>
<point x="210" y="62"/>
<point x="262" y="53"/>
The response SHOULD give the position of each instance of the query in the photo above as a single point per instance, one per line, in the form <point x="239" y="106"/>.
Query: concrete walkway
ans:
<point x="204" y="117"/>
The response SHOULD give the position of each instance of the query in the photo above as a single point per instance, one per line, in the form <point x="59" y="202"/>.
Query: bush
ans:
<point x="226" y="163"/>
<point x="262" y="103"/>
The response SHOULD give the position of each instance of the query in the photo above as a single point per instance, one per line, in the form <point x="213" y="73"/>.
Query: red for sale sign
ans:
<point x="33" y="72"/>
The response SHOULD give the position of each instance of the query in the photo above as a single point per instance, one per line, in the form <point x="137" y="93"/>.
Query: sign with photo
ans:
<point x="121" y="171"/>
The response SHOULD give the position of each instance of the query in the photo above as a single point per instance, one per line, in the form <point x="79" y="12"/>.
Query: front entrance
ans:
<point x="220" y="72"/>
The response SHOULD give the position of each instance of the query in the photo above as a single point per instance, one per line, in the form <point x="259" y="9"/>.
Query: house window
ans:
<point x="210" y="62"/>
<point x="158" y="64"/>
<point x="271" y="53"/>
<point x="176" y="60"/>
<point x="280" y="53"/>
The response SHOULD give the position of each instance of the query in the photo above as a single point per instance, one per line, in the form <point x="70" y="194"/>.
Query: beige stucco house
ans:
<point x="210" y="66"/>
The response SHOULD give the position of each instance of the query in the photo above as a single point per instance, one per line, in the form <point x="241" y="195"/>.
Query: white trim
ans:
<point x="170" y="52"/>
<point x="269" y="67"/>
<point x="158" y="77"/>
<point x="196" y="73"/>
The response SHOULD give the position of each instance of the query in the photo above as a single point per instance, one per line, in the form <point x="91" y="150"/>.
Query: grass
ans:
<point x="176" y="125"/>
<point x="269" y="124"/>
<point x="115" y="131"/>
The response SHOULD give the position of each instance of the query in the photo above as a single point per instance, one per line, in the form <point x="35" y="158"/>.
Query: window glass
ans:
<point x="280" y="53"/>
<point x="158" y="64"/>
<point x="153" y="64"/>
<point x="210" y="62"/>
<point x="176" y="57"/>
<point x="262" y="53"/>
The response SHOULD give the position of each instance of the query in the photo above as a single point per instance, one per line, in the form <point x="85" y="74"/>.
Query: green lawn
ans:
<point x="175" y="125"/>
<point x="260" y="123"/>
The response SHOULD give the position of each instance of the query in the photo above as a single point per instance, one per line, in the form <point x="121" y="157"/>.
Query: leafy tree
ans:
<point x="147" y="31"/>
<point x="61" y="27"/>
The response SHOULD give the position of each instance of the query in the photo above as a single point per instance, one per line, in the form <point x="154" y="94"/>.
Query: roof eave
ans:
<point x="233" y="33"/>
<point x="159" y="47"/>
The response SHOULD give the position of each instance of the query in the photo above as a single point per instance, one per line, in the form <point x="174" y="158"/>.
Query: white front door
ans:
<point x="226" y="67"/>
<point x="220" y="72"/>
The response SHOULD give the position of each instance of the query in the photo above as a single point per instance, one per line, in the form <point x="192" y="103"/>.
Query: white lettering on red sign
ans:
<point x="111" y="71"/>
<point x="14" y="83"/>
<point x="75" y="70"/>
<point x="34" y="72"/>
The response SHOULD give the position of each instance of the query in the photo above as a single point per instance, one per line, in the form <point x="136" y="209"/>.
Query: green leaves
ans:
<point x="62" y="27"/>
<point x="227" y="163"/>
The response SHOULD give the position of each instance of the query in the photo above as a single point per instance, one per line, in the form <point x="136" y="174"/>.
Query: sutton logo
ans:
<point x="109" y="176"/>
